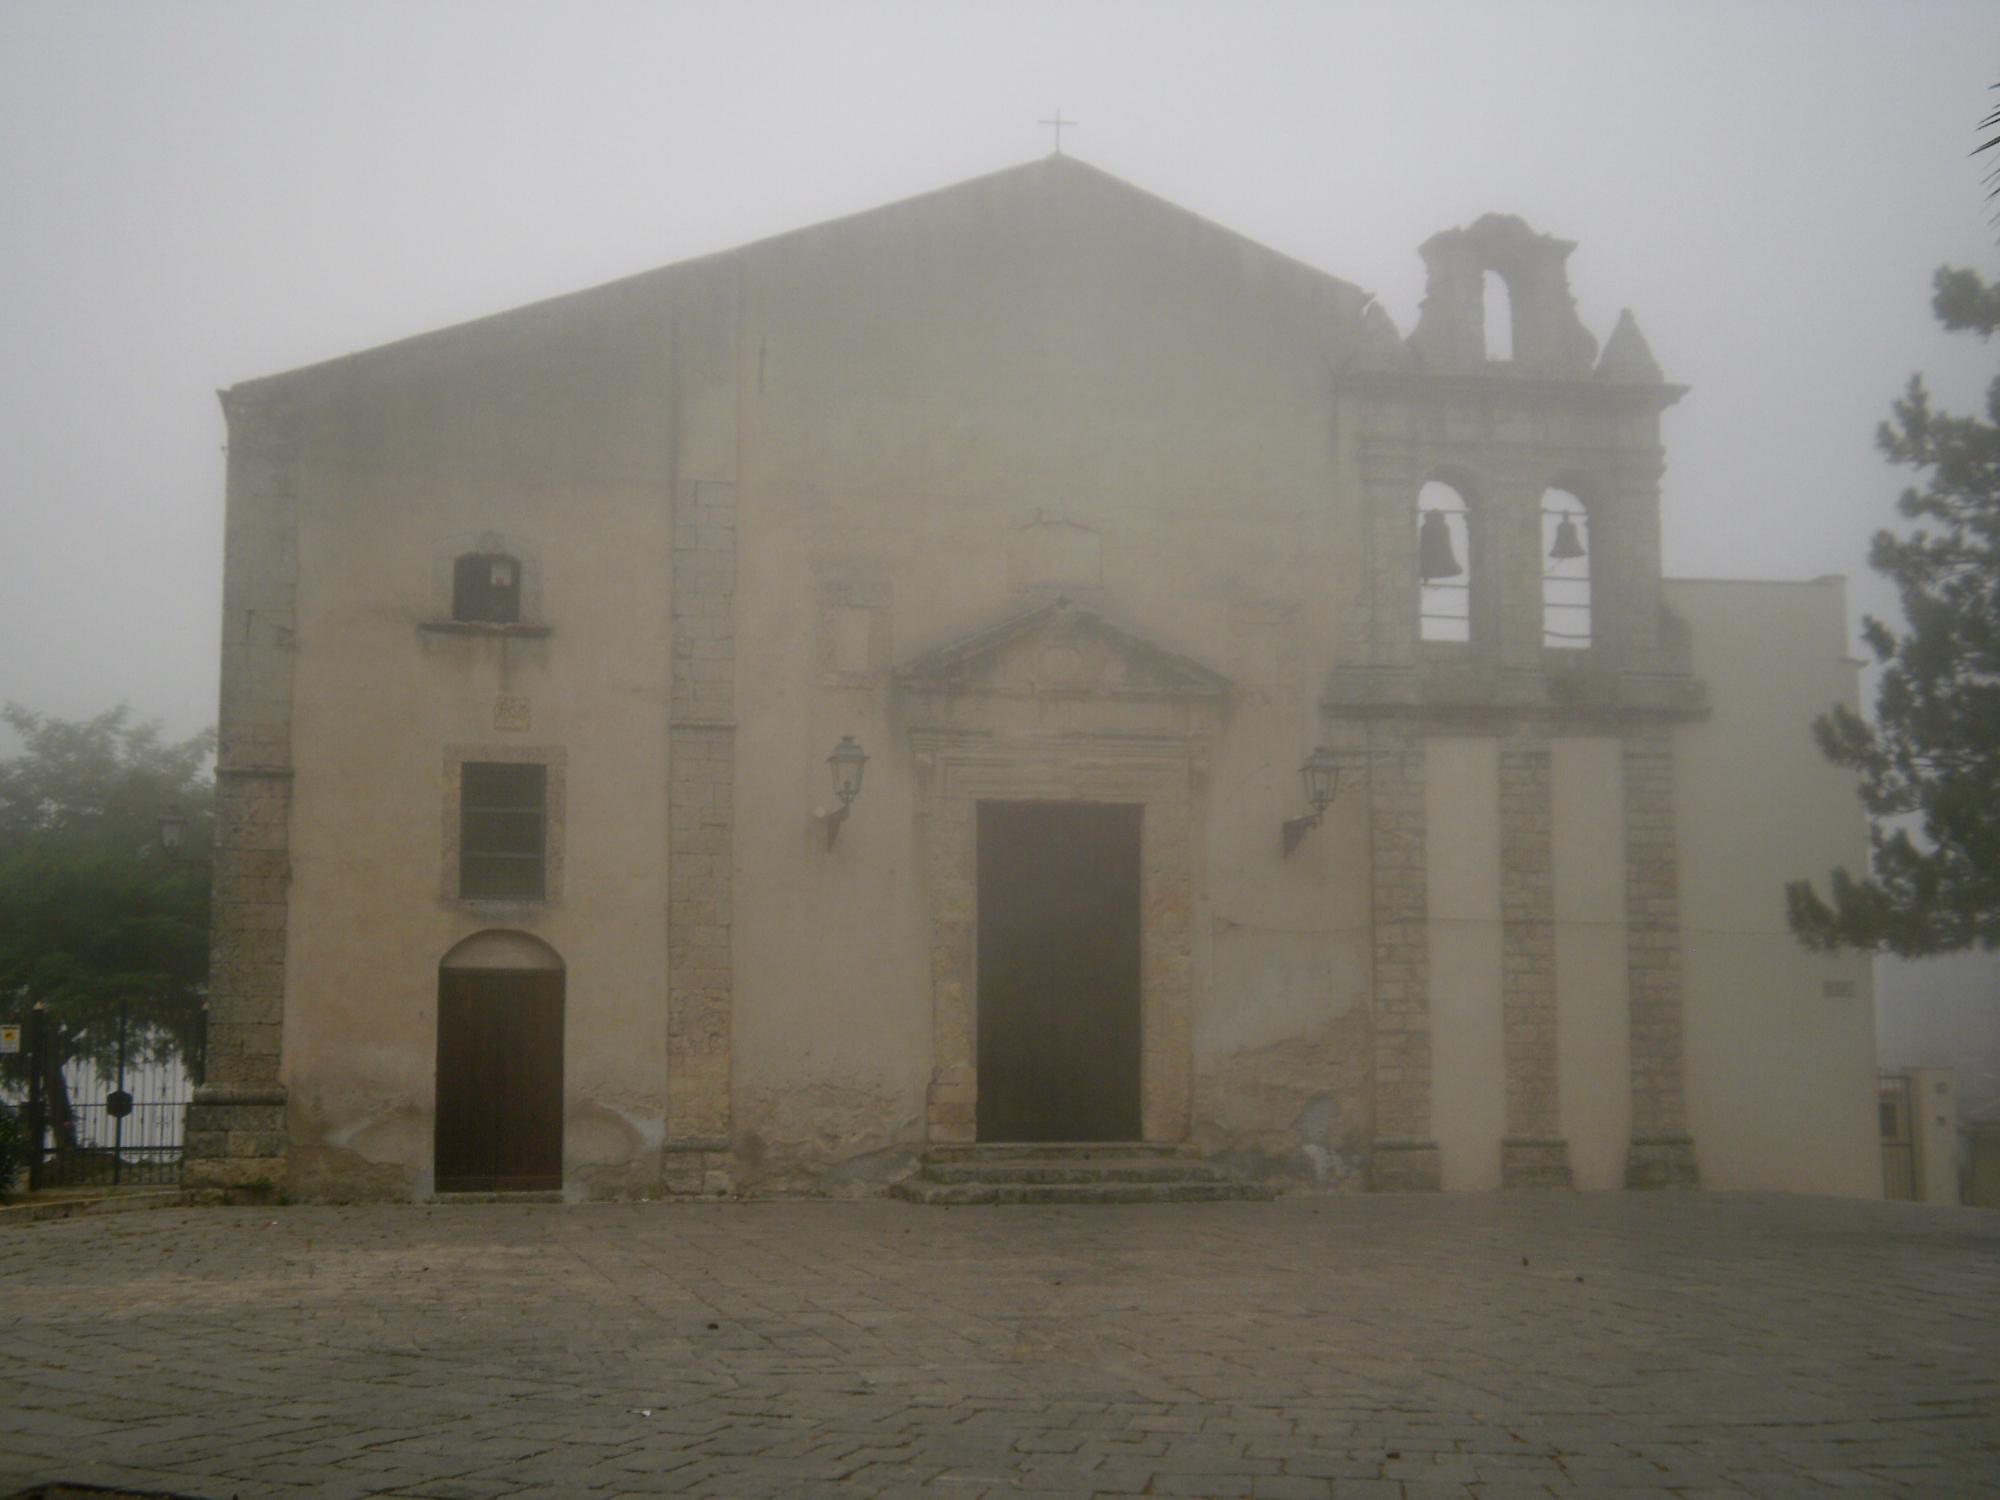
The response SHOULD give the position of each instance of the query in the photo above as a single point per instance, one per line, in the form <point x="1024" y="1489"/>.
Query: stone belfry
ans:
<point x="1496" y="696"/>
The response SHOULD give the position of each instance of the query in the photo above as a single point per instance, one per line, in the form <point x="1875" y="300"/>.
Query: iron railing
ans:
<point x="104" y="1104"/>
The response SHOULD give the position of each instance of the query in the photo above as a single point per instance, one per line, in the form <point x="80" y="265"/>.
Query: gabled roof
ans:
<point x="965" y="660"/>
<point x="1065" y="173"/>
<point x="1057" y="174"/>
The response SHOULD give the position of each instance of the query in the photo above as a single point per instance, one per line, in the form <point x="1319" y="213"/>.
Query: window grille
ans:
<point x="503" y="831"/>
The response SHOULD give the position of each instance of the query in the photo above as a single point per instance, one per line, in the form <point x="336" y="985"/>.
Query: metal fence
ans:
<point x="1899" y="1146"/>
<point x="104" y="1103"/>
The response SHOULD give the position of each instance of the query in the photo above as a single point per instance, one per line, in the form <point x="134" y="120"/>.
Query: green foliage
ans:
<point x="93" y="910"/>
<point x="1932" y="756"/>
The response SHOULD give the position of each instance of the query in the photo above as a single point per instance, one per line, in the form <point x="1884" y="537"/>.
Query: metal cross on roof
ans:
<point x="1058" y="122"/>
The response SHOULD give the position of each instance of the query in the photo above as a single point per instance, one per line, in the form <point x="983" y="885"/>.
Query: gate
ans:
<point x="105" y="1101"/>
<point x="1899" y="1146"/>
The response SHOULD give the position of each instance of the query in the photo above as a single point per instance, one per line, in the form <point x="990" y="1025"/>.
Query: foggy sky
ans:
<point x="195" y="194"/>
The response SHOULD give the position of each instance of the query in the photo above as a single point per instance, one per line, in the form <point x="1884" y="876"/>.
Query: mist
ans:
<point x="203" y="193"/>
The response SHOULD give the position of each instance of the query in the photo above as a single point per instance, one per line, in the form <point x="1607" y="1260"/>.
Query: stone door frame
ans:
<point x="958" y="770"/>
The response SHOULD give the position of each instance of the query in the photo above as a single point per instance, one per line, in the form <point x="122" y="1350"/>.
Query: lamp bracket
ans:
<point x="834" y="819"/>
<point x="1294" y="831"/>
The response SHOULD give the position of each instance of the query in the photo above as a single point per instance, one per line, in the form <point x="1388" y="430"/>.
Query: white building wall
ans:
<point x="1780" y="1041"/>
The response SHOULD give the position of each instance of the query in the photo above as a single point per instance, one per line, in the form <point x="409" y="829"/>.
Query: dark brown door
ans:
<point x="1058" y="971"/>
<point x="499" y="1080"/>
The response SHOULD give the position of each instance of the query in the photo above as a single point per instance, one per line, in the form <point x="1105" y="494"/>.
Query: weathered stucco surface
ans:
<point x="1042" y="489"/>
<point x="1781" y="1042"/>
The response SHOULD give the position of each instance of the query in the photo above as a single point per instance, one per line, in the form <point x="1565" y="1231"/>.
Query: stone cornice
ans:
<point x="1419" y="385"/>
<point x="1476" y="691"/>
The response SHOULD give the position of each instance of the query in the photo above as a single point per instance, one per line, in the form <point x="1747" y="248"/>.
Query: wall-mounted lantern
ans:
<point x="1321" y="775"/>
<point x="172" y="826"/>
<point x="847" y="763"/>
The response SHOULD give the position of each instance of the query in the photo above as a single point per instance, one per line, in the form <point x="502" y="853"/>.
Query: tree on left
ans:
<point x="95" y="910"/>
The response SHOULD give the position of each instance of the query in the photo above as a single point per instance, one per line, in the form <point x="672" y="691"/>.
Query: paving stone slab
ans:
<point x="1388" y="1348"/>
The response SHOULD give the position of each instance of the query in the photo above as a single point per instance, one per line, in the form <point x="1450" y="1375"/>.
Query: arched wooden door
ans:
<point x="499" y="1080"/>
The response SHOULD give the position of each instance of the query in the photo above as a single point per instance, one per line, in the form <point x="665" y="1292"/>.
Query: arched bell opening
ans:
<point x="1497" y="307"/>
<point x="1567" y="544"/>
<point x="499" y="1117"/>
<point x="1448" y="578"/>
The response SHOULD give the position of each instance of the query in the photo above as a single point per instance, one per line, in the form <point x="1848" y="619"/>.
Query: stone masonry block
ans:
<point x="1402" y="1167"/>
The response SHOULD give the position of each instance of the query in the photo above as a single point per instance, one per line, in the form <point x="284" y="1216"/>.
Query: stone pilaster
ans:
<point x="952" y="1102"/>
<point x="701" y="799"/>
<point x="1512" y="524"/>
<point x="1382" y="621"/>
<point x="1625" y="568"/>
<point x="1662" y="1153"/>
<point x="1404" y="1155"/>
<point x="1533" y="1152"/>
<point x="236" y="1134"/>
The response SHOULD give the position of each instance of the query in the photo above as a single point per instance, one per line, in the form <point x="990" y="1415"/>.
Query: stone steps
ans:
<point x="1055" y="1169"/>
<point x="1099" y="1172"/>
<point x="1067" y="1150"/>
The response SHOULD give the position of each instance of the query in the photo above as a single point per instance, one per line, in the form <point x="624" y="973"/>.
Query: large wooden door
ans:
<point x="1058" y="971"/>
<point x="499" y="1080"/>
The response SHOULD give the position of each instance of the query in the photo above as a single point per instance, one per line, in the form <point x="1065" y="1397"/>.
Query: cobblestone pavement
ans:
<point x="1405" y="1347"/>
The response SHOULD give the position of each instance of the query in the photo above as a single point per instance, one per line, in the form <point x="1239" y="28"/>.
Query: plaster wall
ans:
<point x="1934" y="1130"/>
<point x="537" y="432"/>
<point x="1462" y="854"/>
<point x="950" y="411"/>
<point x="1593" y="1033"/>
<point x="1780" y="1041"/>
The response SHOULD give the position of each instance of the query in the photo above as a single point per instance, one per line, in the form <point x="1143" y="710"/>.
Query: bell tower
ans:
<point x="1501" y="474"/>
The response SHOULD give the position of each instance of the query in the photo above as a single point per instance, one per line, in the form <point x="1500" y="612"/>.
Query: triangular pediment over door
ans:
<point x="1059" y="668"/>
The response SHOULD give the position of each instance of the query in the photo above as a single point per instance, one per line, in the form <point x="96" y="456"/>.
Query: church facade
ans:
<point x="1024" y="663"/>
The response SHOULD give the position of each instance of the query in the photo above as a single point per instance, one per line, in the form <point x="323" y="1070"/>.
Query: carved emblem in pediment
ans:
<point x="1058" y="648"/>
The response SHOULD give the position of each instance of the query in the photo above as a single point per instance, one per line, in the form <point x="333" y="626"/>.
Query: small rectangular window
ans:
<point x="486" y="589"/>
<point x="502" y="831"/>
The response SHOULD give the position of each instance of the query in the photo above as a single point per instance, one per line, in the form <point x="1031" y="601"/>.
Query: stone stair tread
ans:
<point x="1059" y="1169"/>
<point x="966" y="1194"/>
<point x="1072" y="1172"/>
<point x="1067" y="1150"/>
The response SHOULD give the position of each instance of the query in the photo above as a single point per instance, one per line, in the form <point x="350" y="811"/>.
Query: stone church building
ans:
<point x="1024" y="663"/>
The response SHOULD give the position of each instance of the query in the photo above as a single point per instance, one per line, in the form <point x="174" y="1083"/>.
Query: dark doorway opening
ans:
<point x="499" y="1080"/>
<point x="1058" y="971"/>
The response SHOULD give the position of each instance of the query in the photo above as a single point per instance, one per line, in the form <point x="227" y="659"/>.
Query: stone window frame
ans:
<point x="873" y="598"/>
<point x="554" y="759"/>
<point x="957" y="770"/>
<point x="443" y="617"/>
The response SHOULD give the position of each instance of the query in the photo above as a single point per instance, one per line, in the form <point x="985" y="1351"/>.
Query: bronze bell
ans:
<point x="1434" y="555"/>
<point x="1567" y="544"/>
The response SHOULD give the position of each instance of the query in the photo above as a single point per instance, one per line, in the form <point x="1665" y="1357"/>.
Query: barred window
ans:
<point x="502" y="831"/>
<point x="486" y="588"/>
